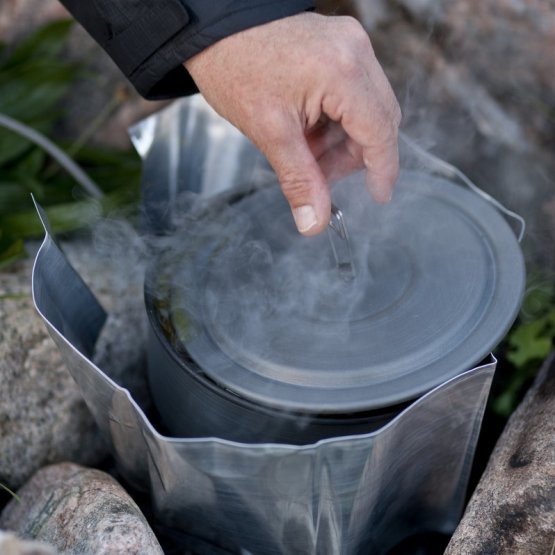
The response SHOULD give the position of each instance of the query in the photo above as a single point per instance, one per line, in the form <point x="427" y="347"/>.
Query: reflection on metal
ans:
<point x="340" y="245"/>
<point x="349" y="495"/>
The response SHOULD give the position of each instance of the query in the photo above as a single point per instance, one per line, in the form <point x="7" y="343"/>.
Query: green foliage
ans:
<point x="532" y="340"/>
<point x="529" y="342"/>
<point x="34" y="79"/>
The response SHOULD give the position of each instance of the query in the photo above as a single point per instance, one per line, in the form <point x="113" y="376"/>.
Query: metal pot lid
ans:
<point x="264" y="312"/>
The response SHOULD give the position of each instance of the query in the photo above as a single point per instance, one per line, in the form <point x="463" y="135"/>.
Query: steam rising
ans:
<point x="243" y="282"/>
<point x="262" y="282"/>
<point x="265" y="313"/>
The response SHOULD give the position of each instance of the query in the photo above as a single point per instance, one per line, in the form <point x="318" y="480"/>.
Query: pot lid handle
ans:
<point x="340" y="244"/>
<point x="448" y="170"/>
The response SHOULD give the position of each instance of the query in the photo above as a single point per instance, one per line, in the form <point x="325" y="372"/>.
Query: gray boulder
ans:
<point x="477" y="97"/>
<point x="80" y="510"/>
<point x="512" y="510"/>
<point x="43" y="418"/>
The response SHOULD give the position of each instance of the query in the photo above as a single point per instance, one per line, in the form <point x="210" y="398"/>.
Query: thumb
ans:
<point x="301" y="180"/>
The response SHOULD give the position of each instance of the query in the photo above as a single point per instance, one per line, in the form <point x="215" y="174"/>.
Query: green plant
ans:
<point x="34" y="79"/>
<point x="529" y="342"/>
<point x="12" y="493"/>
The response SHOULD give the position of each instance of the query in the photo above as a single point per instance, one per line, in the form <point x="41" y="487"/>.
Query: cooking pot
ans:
<point x="256" y="337"/>
<point x="357" y="494"/>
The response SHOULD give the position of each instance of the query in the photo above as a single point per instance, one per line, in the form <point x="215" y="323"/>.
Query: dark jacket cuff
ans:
<point x="150" y="40"/>
<point x="162" y="75"/>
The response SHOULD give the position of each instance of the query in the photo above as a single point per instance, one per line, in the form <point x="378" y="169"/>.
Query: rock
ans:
<point x="43" y="418"/>
<point x="10" y="544"/>
<point x="80" y="510"/>
<point x="477" y="97"/>
<point x="512" y="510"/>
<point x="499" y="56"/>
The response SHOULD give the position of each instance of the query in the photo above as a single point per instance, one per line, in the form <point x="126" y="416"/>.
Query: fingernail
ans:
<point x="305" y="218"/>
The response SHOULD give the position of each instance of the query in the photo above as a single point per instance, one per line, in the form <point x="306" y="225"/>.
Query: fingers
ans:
<point x="341" y="160"/>
<point x="375" y="130"/>
<point x="324" y="136"/>
<point x="280" y="83"/>
<point x="365" y="105"/>
<point x="338" y="156"/>
<point x="336" y="153"/>
<point x="299" y="174"/>
<point x="382" y="169"/>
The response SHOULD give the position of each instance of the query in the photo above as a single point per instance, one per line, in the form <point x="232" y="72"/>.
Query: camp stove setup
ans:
<point x="316" y="395"/>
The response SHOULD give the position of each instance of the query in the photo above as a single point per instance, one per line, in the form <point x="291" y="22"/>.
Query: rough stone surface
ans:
<point x="517" y="38"/>
<point x="10" y="544"/>
<point x="475" y="81"/>
<point x="512" y="510"/>
<point x="80" y="510"/>
<point x="43" y="418"/>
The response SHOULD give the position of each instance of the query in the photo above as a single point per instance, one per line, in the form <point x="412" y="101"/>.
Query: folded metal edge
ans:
<point x="149" y="460"/>
<point x="81" y="347"/>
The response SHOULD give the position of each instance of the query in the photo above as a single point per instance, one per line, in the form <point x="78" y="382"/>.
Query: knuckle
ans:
<point x="349" y="63"/>
<point x="294" y="186"/>
<point x="385" y="137"/>
<point x="274" y="126"/>
<point x="352" y="48"/>
<point x="351" y="25"/>
<point x="388" y="125"/>
<point x="396" y="113"/>
<point x="357" y="35"/>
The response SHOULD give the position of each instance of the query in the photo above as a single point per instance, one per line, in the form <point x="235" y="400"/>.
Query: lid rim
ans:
<point x="313" y="400"/>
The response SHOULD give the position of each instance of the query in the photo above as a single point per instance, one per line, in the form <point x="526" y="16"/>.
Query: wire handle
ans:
<point x="448" y="170"/>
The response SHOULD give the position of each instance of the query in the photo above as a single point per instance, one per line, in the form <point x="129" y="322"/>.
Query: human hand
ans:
<point x="309" y="92"/>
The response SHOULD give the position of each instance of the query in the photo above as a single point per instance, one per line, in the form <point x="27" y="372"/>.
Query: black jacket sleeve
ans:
<point x="150" y="39"/>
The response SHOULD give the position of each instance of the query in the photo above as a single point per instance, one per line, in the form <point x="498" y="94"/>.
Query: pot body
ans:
<point x="192" y="405"/>
<point x="273" y="368"/>
<point x="234" y="355"/>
